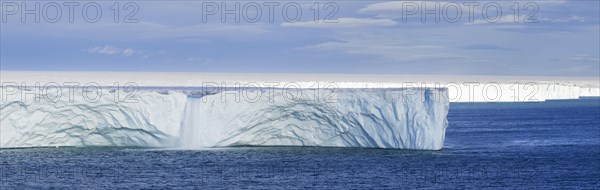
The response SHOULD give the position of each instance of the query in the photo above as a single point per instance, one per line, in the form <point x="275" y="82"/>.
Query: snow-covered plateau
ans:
<point x="460" y="88"/>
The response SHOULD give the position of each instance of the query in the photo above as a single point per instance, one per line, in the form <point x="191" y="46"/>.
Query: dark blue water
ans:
<point x="510" y="145"/>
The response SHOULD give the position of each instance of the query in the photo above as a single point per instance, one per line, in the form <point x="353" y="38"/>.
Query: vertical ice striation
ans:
<point x="589" y="92"/>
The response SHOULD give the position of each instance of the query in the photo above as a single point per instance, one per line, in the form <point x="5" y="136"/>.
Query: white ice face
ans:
<point x="378" y="118"/>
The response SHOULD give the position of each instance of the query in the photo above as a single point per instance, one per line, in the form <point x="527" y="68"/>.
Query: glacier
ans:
<point x="377" y="118"/>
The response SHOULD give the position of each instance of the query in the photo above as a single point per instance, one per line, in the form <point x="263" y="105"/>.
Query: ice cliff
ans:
<point x="90" y="120"/>
<point x="379" y="118"/>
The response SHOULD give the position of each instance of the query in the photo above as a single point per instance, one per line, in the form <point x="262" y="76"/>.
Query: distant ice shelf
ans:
<point x="376" y="118"/>
<point x="460" y="88"/>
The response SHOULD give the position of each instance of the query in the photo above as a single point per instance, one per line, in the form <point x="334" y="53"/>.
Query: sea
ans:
<point x="552" y="144"/>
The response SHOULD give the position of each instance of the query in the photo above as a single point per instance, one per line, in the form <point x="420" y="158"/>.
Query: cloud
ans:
<point x="525" y="19"/>
<point x="448" y="10"/>
<point x="401" y="5"/>
<point x="573" y="18"/>
<point x="387" y="47"/>
<point x="398" y="6"/>
<point x="343" y="23"/>
<point x="585" y="58"/>
<point x="204" y="61"/>
<point x="128" y="52"/>
<point x="139" y="31"/>
<point x="385" y="6"/>
<point x="395" y="9"/>
<point x="486" y="47"/>
<point x="504" y="19"/>
<point x="112" y="50"/>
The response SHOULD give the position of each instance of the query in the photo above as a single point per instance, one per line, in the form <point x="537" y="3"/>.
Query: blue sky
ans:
<point x="368" y="37"/>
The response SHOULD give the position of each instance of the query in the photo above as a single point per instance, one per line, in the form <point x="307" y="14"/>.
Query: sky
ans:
<point x="532" y="38"/>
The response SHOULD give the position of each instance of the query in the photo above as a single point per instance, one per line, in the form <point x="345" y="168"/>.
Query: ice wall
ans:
<point x="589" y="92"/>
<point x="398" y="118"/>
<point x="91" y="119"/>
<point x="381" y="118"/>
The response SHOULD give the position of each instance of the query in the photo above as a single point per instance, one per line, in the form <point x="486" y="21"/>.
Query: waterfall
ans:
<point x="194" y="130"/>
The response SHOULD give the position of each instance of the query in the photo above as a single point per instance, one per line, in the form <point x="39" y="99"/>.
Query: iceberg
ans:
<point x="375" y="118"/>
<point x="380" y="111"/>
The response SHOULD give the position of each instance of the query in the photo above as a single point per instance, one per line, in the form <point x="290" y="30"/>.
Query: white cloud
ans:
<point x="577" y="18"/>
<point x="447" y="10"/>
<point x="400" y="5"/>
<point x="128" y="52"/>
<point x="525" y="19"/>
<point x="385" y="6"/>
<point x="139" y="31"/>
<point x="504" y="19"/>
<point x="573" y="18"/>
<point x="344" y="23"/>
<point x="585" y="58"/>
<point x="107" y="50"/>
<point x="200" y="60"/>
<point x="395" y="48"/>
<point x="395" y="9"/>
<point x="112" y="50"/>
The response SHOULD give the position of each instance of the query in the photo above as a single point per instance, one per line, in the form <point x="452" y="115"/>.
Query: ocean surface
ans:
<point x="506" y="145"/>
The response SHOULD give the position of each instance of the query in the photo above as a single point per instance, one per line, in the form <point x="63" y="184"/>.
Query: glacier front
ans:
<point x="378" y="118"/>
